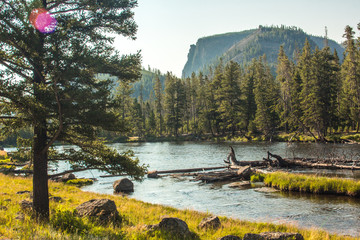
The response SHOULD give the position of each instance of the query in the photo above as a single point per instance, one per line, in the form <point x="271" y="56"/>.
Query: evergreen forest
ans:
<point x="312" y="92"/>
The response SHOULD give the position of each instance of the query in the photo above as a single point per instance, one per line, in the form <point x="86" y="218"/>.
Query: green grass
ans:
<point x="313" y="184"/>
<point x="135" y="215"/>
<point x="80" y="182"/>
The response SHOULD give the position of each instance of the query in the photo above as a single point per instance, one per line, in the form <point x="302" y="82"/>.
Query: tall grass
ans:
<point x="313" y="184"/>
<point x="135" y="215"/>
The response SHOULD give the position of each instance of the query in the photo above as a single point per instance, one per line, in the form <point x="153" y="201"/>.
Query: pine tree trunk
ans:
<point x="40" y="177"/>
<point x="40" y="154"/>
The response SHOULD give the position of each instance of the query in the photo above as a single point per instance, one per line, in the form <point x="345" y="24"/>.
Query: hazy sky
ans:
<point x="167" y="28"/>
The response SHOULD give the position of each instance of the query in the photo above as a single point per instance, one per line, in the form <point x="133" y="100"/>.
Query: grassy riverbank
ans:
<point x="312" y="184"/>
<point x="16" y="224"/>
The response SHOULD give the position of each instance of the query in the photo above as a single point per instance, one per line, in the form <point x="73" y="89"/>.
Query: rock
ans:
<point x="266" y="190"/>
<point x="101" y="209"/>
<point x="3" y="208"/>
<point x="153" y="174"/>
<point x="67" y="177"/>
<point x="210" y="223"/>
<point x="173" y="225"/>
<point x="245" y="172"/>
<point x="230" y="237"/>
<point x="240" y="184"/>
<point x="56" y="199"/>
<point x="123" y="185"/>
<point x="23" y="192"/>
<point x="26" y="206"/>
<point x="20" y="216"/>
<point x="273" y="236"/>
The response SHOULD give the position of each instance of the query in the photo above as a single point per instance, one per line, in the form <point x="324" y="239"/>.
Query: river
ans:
<point x="336" y="214"/>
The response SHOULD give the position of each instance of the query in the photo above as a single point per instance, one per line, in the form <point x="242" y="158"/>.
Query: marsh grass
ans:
<point x="135" y="215"/>
<point x="313" y="184"/>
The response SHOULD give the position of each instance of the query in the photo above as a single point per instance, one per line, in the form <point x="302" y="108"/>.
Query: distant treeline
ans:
<point x="312" y="93"/>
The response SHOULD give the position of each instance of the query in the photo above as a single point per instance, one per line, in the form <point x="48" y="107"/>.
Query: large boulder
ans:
<point x="230" y="237"/>
<point x="212" y="222"/>
<point x="103" y="210"/>
<point x="273" y="236"/>
<point x="123" y="185"/>
<point x="174" y="226"/>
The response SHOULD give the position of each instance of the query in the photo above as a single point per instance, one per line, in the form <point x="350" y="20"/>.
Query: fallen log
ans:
<point x="154" y="174"/>
<point x="309" y="163"/>
<point x="243" y="173"/>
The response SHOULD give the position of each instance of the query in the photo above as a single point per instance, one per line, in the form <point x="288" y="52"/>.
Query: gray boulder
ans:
<point x="212" y="222"/>
<point x="230" y="237"/>
<point x="174" y="226"/>
<point x="123" y="185"/>
<point x="273" y="236"/>
<point x="26" y="205"/>
<point x="103" y="210"/>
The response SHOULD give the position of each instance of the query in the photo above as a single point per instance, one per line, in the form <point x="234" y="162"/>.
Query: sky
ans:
<point x="167" y="28"/>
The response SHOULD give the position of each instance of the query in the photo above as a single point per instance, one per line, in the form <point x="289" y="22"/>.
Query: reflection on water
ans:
<point x="338" y="214"/>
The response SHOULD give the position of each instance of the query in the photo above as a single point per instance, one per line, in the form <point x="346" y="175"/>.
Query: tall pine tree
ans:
<point x="48" y="84"/>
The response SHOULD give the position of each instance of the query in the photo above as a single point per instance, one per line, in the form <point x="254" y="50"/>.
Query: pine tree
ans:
<point x="248" y="96"/>
<point x="174" y="101"/>
<point x="214" y="97"/>
<point x="350" y="74"/>
<point x="229" y="97"/>
<point x="158" y="104"/>
<point x="285" y="78"/>
<point x="47" y="82"/>
<point x="266" y="97"/>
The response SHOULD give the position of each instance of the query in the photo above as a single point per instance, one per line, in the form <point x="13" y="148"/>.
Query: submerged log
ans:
<point x="314" y="163"/>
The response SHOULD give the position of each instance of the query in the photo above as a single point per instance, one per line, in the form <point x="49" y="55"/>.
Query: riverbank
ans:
<point x="342" y="137"/>
<point x="16" y="224"/>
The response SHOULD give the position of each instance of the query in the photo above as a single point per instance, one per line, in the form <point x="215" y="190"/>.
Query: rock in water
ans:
<point x="67" y="177"/>
<point x="123" y="185"/>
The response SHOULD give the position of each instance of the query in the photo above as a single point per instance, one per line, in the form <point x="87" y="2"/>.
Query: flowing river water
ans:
<point x="336" y="214"/>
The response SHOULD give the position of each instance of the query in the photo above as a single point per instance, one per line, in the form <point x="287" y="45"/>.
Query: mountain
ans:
<point x="243" y="46"/>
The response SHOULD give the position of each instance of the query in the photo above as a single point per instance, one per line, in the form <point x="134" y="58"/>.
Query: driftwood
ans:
<point x="243" y="173"/>
<point x="313" y="163"/>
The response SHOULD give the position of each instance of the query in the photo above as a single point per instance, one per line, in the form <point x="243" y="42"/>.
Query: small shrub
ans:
<point x="80" y="182"/>
<point x="67" y="221"/>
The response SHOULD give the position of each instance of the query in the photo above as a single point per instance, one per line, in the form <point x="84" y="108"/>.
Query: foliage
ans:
<point x="67" y="222"/>
<point x="48" y="82"/>
<point x="259" y="177"/>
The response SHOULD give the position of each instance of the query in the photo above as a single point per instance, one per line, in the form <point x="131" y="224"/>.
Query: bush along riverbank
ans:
<point x="129" y="218"/>
<point x="310" y="184"/>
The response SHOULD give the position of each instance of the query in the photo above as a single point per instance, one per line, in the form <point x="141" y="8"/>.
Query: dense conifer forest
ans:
<point x="311" y="92"/>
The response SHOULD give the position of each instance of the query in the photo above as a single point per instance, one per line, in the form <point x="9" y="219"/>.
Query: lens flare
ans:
<point x="42" y="20"/>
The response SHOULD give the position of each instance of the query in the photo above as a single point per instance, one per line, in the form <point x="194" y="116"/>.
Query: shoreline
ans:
<point x="137" y="214"/>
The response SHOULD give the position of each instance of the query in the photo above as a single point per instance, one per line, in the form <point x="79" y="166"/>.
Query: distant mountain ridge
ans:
<point x="243" y="46"/>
